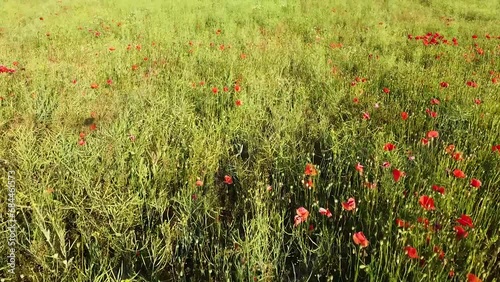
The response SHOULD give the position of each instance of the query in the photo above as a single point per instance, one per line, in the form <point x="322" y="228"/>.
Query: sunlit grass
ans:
<point x="124" y="121"/>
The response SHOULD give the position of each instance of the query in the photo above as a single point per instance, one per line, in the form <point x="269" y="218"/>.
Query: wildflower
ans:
<point x="360" y="239"/>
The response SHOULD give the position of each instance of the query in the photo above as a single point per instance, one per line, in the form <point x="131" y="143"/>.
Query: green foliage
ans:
<point x="144" y="198"/>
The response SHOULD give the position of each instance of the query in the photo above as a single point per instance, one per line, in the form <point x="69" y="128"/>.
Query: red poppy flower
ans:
<point x="477" y="101"/>
<point x="366" y="116"/>
<point x="238" y="103"/>
<point x="355" y="100"/>
<point x="476" y="183"/>
<point x="495" y="148"/>
<point x="432" y="134"/>
<point x="474" y="36"/>
<point x="135" y="67"/>
<point x="386" y="90"/>
<point x="386" y="164"/>
<point x="435" y="101"/>
<point x="93" y="127"/>
<point x="349" y="205"/>
<point x="432" y="114"/>
<point x="450" y="148"/>
<point x="473" y="278"/>
<point x="457" y="156"/>
<point x="310" y="170"/>
<point x="411" y="252"/>
<point x="494" y="80"/>
<point x="237" y="88"/>
<point x="401" y="223"/>
<point x="427" y="203"/>
<point x="396" y="174"/>
<point x="82" y="135"/>
<point x="94" y="86"/>
<point x="439" y="189"/>
<point x="302" y="215"/>
<point x="199" y="183"/>
<point x="360" y="239"/>
<point x="444" y="84"/>
<point x="228" y="179"/>
<point x="215" y="90"/>
<point x="109" y="81"/>
<point x="225" y="89"/>
<point x="404" y="115"/>
<point x="439" y="251"/>
<point x="460" y="232"/>
<point x="112" y="48"/>
<point x="82" y="142"/>
<point x="465" y="220"/>
<point x="325" y="212"/>
<point x="359" y="167"/>
<point x="389" y="147"/>
<point x="424" y="221"/>
<point x="472" y="84"/>
<point x="424" y="141"/>
<point x="458" y="173"/>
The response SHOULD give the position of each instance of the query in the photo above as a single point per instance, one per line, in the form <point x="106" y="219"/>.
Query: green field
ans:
<point x="250" y="140"/>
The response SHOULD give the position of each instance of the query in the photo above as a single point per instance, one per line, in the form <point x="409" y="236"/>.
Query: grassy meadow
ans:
<point x="250" y="140"/>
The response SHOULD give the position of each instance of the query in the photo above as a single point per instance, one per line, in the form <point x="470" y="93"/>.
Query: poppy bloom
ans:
<point x="94" y="86"/>
<point x="93" y="127"/>
<point x="411" y="252"/>
<point x="404" y="115"/>
<point x="386" y="90"/>
<point x="355" y="100"/>
<point x="238" y="103"/>
<point x="360" y="239"/>
<point x="432" y="114"/>
<point x="199" y="183"/>
<point x="225" y="89"/>
<point x="476" y="183"/>
<point x="458" y="173"/>
<point x="472" y="84"/>
<point x="435" y="101"/>
<point x="81" y="142"/>
<point x="82" y="135"/>
<point x="424" y="221"/>
<point x="477" y="101"/>
<point x="215" y="90"/>
<point x="465" y="220"/>
<point x="349" y="205"/>
<point x="237" y="88"/>
<point x="310" y="170"/>
<point x="432" y="134"/>
<point x="427" y="203"/>
<point x="135" y="67"/>
<point x="444" y="84"/>
<point x="450" y="149"/>
<point x="386" y="164"/>
<point x="325" y="212"/>
<point x="439" y="251"/>
<point x="424" y="141"/>
<point x="460" y="232"/>
<point x="396" y="174"/>
<point x="366" y="116"/>
<point x="495" y="148"/>
<point x="228" y="179"/>
<point x="457" y="156"/>
<point x="389" y="147"/>
<point x="302" y="215"/>
<point x="439" y="189"/>
<point x="359" y="167"/>
<point x="401" y="223"/>
<point x="473" y="278"/>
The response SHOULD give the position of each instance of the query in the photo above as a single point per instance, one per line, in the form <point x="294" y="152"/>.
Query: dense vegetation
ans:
<point x="251" y="140"/>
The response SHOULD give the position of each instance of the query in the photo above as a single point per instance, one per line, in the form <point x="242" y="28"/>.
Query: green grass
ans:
<point x="124" y="206"/>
